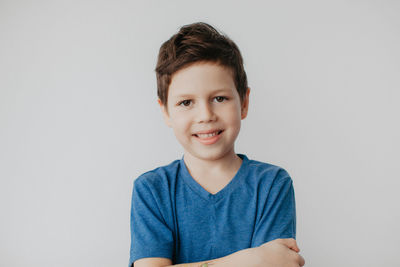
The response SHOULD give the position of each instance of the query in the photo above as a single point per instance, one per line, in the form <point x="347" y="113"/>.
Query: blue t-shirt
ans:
<point x="173" y="217"/>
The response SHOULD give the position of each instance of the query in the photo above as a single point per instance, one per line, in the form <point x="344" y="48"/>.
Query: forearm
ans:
<point x="279" y="252"/>
<point x="239" y="259"/>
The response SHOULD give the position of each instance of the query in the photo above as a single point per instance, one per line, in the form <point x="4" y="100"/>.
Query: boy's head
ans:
<point x="194" y="43"/>
<point x="202" y="89"/>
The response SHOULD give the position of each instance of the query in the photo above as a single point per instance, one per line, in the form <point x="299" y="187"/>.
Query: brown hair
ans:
<point x="194" y="43"/>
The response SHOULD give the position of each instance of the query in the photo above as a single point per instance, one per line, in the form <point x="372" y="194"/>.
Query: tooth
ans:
<point x="208" y="135"/>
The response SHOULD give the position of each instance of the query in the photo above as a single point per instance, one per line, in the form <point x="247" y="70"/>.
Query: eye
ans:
<point x="221" y="98"/>
<point x="184" y="102"/>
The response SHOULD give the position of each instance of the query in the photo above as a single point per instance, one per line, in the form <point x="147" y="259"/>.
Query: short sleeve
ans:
<point x="150" y="235"/>
<point x="278" y="219"/>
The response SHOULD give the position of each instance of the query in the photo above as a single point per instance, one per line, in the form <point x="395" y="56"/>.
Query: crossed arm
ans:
<point x="279" y="252"/>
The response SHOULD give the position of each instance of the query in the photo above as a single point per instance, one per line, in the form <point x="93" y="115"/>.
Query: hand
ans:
<point x="276" y="253"/>
<point x="280" y="252"/>
<point x="289" y="242"/>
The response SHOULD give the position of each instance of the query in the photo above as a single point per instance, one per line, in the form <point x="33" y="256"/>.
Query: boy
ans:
<point x="213" y="206"/>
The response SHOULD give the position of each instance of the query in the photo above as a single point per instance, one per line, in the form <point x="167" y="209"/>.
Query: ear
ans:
<point x="164" y="112"/>
<point x="245" y="104"/>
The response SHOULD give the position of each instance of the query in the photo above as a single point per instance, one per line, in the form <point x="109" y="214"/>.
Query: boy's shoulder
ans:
<point x="158" y="175"/>
<point x="263" y="165"/>
<point x="262" y="170"/>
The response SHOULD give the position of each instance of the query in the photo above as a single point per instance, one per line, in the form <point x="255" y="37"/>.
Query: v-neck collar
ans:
<point x="196" y="187"/>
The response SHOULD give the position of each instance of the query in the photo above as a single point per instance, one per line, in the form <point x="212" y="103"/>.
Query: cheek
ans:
<point x="233" y="115"/>
<point x="182" y="124"/>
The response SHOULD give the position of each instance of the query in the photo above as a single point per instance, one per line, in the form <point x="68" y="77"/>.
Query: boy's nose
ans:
<point x="205" y="113"/>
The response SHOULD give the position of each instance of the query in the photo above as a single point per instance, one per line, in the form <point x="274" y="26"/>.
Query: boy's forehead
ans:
<point x="201" y="78"/>
<point x="191" y="93"/>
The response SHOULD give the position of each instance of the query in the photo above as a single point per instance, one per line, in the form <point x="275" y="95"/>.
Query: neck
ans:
<point x="227" y="164"/>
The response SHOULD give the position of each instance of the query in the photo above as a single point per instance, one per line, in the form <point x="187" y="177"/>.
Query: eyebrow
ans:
<point x="227" y="90"/>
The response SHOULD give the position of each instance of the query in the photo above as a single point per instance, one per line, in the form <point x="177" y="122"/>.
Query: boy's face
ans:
<point x="202" y="98"/>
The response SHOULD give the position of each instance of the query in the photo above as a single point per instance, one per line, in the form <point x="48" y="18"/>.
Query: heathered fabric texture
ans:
<point x="173" y="217"/>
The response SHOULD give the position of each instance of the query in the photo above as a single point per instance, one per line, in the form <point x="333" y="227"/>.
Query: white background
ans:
<point x="79" y="121"/>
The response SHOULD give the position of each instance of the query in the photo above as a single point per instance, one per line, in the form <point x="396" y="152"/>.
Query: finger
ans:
<point x="301" y="260"/>
<point x="290" y="243"/>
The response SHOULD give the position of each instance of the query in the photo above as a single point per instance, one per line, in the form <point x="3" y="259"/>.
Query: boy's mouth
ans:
<point x="208" y="135"/>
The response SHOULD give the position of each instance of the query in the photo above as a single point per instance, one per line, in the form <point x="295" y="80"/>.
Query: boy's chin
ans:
<point x="207" y="154"/>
